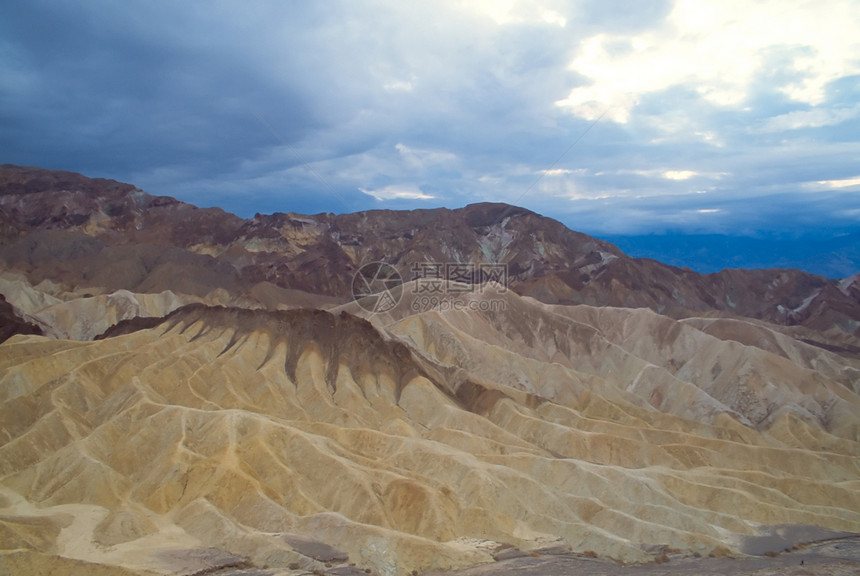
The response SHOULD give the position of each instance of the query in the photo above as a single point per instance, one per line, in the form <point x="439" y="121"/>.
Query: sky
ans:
<point x="688" y="116"/>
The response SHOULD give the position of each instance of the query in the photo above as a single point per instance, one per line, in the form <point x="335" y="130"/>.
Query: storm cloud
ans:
<point x="613" y="117"/>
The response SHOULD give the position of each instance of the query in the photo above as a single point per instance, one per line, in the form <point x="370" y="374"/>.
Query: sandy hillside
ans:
<point x="418" y="440"/>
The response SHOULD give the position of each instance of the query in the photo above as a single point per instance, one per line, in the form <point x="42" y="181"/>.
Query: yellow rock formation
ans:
<point x="408" y="442"/>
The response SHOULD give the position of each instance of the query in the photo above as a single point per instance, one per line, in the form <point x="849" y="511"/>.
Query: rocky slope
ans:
<point x="11" y="323"/>
<point x="427" y="441"/>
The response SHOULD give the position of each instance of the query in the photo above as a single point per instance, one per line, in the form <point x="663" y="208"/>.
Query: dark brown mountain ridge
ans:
<point x="102" y="235"/>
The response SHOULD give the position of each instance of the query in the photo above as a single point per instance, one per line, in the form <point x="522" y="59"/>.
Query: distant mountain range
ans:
<point x="97" y="235"/>
<point x="834" y="256"/>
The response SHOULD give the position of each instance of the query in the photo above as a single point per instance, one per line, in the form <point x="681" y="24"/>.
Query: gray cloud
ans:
<point x="418" y="104"/>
